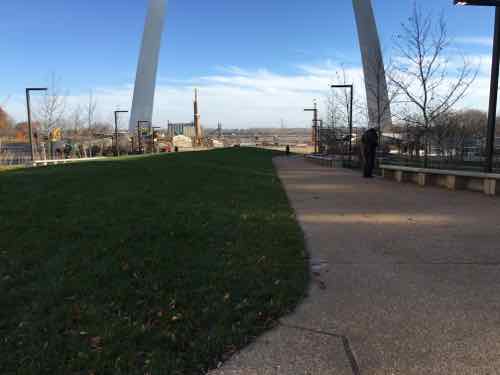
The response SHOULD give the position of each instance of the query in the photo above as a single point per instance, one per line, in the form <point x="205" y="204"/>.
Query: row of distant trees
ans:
<point x="53" y="111"/>
<point x="454" y="135"/>
<point x="81" y="135"/>
<point x="426" y="80"/>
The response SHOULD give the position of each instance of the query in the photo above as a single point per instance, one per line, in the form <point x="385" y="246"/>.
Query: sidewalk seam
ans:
<point x="351" y="356"/>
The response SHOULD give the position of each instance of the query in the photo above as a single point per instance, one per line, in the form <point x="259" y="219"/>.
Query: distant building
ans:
<point x="185" y="129"/>
<point x="182" y="141"/>
<point x="216" y="143"/>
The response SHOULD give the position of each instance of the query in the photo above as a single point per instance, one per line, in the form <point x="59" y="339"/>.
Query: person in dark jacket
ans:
<point x="369" y="151"/>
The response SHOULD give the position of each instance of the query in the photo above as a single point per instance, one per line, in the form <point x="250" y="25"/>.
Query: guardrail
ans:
<point x="488" y="183"/>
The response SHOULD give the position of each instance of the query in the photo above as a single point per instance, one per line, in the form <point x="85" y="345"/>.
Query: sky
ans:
<point x="257" y="63"/>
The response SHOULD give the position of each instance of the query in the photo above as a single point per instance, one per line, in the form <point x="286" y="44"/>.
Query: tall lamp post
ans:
<point x="315" y="125"/>
<point x="28" y="108"/>
<point x="492" y="112"/>
<point x="320" y="134"/>
<point x="117" y="150"/>
<point x="151" y="135"/>
<point x="351" y="88"/>
<point x="139" y="133"/>
<point x="154" y="128"/>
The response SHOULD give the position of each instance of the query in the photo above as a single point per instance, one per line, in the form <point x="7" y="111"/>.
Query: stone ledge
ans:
<point x="452" y="180"/>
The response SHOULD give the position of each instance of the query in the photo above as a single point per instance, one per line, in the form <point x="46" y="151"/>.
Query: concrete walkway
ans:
<point x="407" y="281"/>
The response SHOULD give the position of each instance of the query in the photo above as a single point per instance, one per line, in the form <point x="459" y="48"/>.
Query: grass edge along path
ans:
<point x="160" y="265"/>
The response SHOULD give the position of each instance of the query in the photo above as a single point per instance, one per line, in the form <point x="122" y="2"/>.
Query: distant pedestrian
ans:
<point x="287" y="150"/>
<point x="369" y="151"/>
<point x="176" y="149"/>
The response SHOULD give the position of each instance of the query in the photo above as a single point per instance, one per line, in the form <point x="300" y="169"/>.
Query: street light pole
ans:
<point x="153" y="139"/>
<point x="495" y="70"/>
<point x="28" y="108"/>
<point x="151" y="135"/>
<point x="139" y="146"/>
<point x="139" y="133"/>
<point x="351" y="87"/>
<point x="320" y="133"/>
<point x="315" y="125"/>
<point x="117" y="151"/>
<point x="492" y="112"/>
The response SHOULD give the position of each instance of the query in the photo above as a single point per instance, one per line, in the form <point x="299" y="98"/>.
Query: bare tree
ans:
<point x="6" y="124"/>
<point x="52" y="109"/>
<point x="4" y="101"/>
<point x="422" y="73"/>
<point x="53" y="105"/>
<point x="77" y="119"/>
<point x="444" y="132"/>
<point x="338" y="104"/>
<point x="470" y="125"/>
<point x="334" y="112"/>
<point x="344" y="95"/>
<point x="91" y="109"/>
<point x="376" y="87"/>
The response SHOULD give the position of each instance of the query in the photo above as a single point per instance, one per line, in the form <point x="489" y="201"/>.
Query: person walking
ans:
<point x="369" y="151"/>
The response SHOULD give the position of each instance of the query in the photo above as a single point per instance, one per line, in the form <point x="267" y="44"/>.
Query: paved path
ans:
<point x="407" y="281"/>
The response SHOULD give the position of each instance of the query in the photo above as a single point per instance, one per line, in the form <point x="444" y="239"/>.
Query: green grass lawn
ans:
<point x="159" y="265"/>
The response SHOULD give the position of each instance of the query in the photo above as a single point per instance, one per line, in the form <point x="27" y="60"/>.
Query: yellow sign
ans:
<point x="55" y="135"/>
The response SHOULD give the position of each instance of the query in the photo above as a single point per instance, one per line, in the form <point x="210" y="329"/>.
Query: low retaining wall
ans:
<point x="487" y="183"/>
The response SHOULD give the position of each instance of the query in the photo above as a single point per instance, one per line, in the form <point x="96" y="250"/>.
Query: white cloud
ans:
<point x="479" y="41"/>
<point x="243" y="98"/>
<point x="234" y="96"/>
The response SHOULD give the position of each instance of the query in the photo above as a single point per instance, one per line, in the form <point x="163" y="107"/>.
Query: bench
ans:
<point x="488" y="183"/>
<point x="44" y="163"/>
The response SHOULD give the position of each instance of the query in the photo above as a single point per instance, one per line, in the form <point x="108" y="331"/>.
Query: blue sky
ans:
<point x="94" y="44"/>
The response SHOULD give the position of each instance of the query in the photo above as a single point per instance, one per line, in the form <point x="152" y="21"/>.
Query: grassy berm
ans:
<point x="146" y="265"/>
